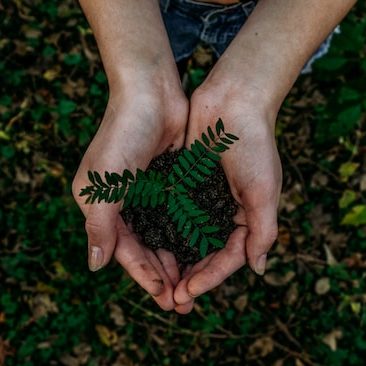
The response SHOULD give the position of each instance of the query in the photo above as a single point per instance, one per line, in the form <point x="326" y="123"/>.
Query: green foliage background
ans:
<point x="309" y="309"/>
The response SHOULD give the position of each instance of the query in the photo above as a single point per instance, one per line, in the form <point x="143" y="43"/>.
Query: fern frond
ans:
<point x="152" y="188"/>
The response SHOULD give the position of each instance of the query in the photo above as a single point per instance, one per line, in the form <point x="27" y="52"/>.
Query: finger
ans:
<point x="100" y="225"/>
<point x="165" y="298"/>
<point x="177" y="143"/>
<point x="184" y="309"/>
<point x="132" y="257"/>
<point x="181" y="294"/>
<point x="101" y="228"/>
<point x="262" y="234"/>
<point x="221" y="266"/>
<point x="169" y="264"/>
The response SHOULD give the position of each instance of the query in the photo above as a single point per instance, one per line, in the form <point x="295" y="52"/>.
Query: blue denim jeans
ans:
<point x="190" y="22"/>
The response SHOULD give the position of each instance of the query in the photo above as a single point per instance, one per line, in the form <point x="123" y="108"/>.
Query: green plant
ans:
<point x="152" y="189"/>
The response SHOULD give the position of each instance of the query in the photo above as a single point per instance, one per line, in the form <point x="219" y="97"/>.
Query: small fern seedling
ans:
<point x="152" y="188"/>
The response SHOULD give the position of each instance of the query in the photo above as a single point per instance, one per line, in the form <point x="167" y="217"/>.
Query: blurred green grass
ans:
<point x="309" y="309"/>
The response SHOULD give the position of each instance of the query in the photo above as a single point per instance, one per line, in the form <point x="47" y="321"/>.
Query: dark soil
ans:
<point x="156" y="227"/>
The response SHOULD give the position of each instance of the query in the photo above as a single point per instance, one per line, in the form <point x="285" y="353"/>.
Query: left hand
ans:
<point x="253" y="169"/>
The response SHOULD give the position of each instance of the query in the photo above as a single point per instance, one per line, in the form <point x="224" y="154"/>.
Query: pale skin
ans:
<point x="148" y="113"/>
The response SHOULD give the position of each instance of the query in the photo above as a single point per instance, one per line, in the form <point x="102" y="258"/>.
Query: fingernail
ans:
<point x="160" y="283"/>
<point x="261" y="265"/>
<point x="95" y="258"/>
<point x="192" y="296"/>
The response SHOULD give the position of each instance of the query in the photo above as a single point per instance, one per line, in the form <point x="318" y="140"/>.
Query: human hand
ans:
<point x="253" y="170"/>
<point x="139" y="124"/>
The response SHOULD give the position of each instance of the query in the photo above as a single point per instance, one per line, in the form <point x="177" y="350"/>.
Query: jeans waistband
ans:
<point x="203" y="6"/>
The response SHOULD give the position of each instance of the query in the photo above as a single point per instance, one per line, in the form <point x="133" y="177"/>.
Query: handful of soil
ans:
<point x="156" y="228"/>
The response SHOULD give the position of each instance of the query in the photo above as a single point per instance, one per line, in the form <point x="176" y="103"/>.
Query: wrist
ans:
<point x="159" y="105"/>
<point x="230" y="98"/>
<point x="144" y="77"/>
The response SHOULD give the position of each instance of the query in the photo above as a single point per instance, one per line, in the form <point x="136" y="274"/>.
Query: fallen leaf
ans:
<point x="4" y="136"/>
<point x="44" y="288"/>
<point x="322" y="286"/>
<point x="363" y="182"/>
<point x="44" y="345"/>
<point x="30" y="32"/>
<point x="346" y="170"/>
<point x="284" y="236"/>
<point x="275" y="279"/>
<point x="79" y="356"/>
<point x="355" y="261"/>
<point x="356" y="307"/>
<point x="356" y="217"/>
<point x="292" y="294"/>
<point x="331" y="339"/>
<point x="331" y="261"/>
<point x="60" y="271"/>
<point x="241" y="302"/>
<point x="21" y="176"/>
<point x="41" y="305"/>
<point x="347" y="198"/>
<point x="261" y="347"/>
<point x="336" y="240"/>
<point x="82" y="351"/>
<point x="117" y="314"/>
<point x="52" y="74"/>
<point x="124" y="360"/>
<point x="319" y="179"/>
<point x="320" y="221"/>
<point x="69" y="360"/>
<point x="159" y="340"/>
<point x="106" y="336"/>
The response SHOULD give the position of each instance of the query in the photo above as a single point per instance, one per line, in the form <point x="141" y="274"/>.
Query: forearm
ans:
<point x="131" y="38"/>
<point x="274" y="44"/>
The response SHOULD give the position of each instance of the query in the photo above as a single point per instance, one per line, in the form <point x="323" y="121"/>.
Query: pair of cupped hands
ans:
<point x="144" y="119"/>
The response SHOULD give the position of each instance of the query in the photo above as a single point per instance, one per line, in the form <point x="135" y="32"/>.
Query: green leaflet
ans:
<point x="216" y="242"/>
<point x="194" y="237"/>
<point x="205" y="139"/>
<point x="219" y="126"/>
<point x="91" y="177"/>
<point x="211" y="133"/>
<point x="203" y="247"/>
<point x="203" y="169"/>
<point x="99" y="181"/>
<point x="189" y="156"/>
<point x="184" y="163"/>
<point x="210" y="229"/>
<point x="232" y="137"/>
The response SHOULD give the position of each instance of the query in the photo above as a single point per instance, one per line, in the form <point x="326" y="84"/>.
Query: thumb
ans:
<point x="101" y="228"/>
<point x="263" y="231"/>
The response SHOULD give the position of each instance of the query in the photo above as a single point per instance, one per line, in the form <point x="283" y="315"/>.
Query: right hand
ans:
<point x="139" y="124"/>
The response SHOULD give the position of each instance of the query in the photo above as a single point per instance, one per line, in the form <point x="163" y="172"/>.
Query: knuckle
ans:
<point x="271" y="234"/>
<point x="75" y="188"/>
<point x="93" y="228"/>
<point x="178" y="117"/>
<point x="201" y="97"/>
